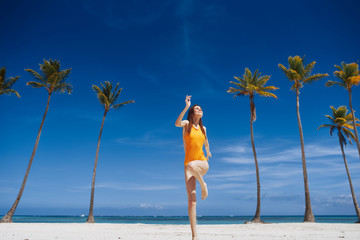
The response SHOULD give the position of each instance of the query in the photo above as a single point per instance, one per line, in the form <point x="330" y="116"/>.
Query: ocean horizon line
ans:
<point x="176" y="220"/>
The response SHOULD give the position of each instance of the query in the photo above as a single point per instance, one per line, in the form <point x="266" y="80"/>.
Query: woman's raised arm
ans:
<point x="179" y="122"/>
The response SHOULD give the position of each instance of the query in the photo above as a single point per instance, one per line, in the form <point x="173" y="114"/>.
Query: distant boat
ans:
<point x="82" y="215"/>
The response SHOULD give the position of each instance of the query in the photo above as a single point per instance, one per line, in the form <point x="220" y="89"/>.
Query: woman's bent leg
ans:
<point x="199" y="168"/>
<point x="191" y="193"/>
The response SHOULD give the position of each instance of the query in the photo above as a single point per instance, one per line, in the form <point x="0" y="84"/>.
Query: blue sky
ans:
<point x="160" y="51"/>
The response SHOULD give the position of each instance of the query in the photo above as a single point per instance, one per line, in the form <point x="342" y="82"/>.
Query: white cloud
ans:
<point x="231" y="174"/>
<point x="151" y="206"/>
<point x="228" y="186"/>
<point x="128" y="187"/>
<point x="137" y="187"/>
<point x="277" y="153"/>
<point x="341" y="200"/>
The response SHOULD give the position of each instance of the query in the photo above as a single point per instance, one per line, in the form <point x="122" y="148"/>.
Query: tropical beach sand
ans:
<point x="99" y="231"/>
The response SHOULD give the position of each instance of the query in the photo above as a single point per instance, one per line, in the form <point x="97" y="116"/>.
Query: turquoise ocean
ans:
<point x="178" y="219"/>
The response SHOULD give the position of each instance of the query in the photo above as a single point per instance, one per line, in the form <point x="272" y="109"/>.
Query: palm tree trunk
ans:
<point x="8" y="217"/>
<point x="350" y="182"/>
<point x="252" y="118"/>
<point x="91" y="211"/>
<point x="309" y="216"/>
<point x="354" y="122"/>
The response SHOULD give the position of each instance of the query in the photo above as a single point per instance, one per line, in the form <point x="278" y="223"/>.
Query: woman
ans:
<point x="196" y="164"/>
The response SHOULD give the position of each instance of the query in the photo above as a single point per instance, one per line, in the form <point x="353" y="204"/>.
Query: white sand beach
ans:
<point x="99" y="231"/>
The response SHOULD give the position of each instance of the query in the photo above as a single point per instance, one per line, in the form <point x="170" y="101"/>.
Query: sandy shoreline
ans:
<point x="98" y="231"/>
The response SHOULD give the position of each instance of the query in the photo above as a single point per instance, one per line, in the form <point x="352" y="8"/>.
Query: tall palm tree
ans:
<point x="342" y="121"/>
<point x="249" y="85"/>
<point x="349" y="76"/>
<point x="108" y="99"/>
<point x="53" y="80"/>
<point x="300" y="75"/>
<point x="6" y="83"/>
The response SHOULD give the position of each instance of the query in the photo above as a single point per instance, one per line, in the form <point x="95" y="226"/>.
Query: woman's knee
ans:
<point x="192" y="197"/>
<point x="192" y="201"/>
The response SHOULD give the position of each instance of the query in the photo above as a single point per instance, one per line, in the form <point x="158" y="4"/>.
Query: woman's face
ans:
<point x="198" y="111"/>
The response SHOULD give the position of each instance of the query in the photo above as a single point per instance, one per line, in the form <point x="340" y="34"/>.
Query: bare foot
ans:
<point x="204" y="192"/>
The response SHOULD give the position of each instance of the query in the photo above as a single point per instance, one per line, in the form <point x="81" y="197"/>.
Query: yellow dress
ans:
<point x="194" y="145"/>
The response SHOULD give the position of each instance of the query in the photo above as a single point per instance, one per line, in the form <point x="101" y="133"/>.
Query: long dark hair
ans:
<point x="190" y="118"/>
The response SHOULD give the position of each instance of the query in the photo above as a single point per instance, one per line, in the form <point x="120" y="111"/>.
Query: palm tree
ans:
<point x="349" y="76"/>
<point x="342" y="121"/>
<point x="108" y="98"/>
<point x="53" y="80"/>
<point x="6" y="83"/>
<point x="249" y="85"/>
<point x="300" y="75"/>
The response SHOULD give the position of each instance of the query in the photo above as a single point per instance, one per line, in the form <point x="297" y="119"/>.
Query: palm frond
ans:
<point x="351" y="69"/>
<point x="282" y="68"/>
<point x="338" y="67"/>
<point x="266" y="94"/>
<point x="293" y="75"/>
<point x="108" y="96"/>
<point x="36" y="75"/>
<point x="348" y="126"/>
<point x="332" y="83"/>
<point x="36" y="84"/>
<point x="52" y="77"/>
<point x="119" y="105"/>
<point x="240" y="85"/>
<point x="263" y="80"/>
<point x="117" y="94"/>
<point x="355" y="80"/>
<point x="248" y="74"/>
<point x="308" y="69"/>
<point x="315" y="77"/>
<point x="9" y="91"/>
<point x="340" y="120"/>
<point x="269" y="88"/>
<point x="332" y="129"/>
<point x="296" y="63"/>
<point x="252" y="83"/>
<point x="63" y="87"/>
<point x="349" y="135"/>
<point x="241" y="80"/>
<point x="325" y="126"/>
<point x="238" y="92"/>
<point x="63" y="75"/>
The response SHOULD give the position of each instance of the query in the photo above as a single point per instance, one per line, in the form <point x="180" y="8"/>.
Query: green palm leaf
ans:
<point x="348" y="75"/>
<point x="36" y="84"/>
<point x="7" y="83"/>
<point x="109" y="97"/>
<point x="342" y="121"/>
<point x="315" y="77"/>
<point x="299" y="73"/>
<point x="119" y="105"/>
<point x="51" y="77"/>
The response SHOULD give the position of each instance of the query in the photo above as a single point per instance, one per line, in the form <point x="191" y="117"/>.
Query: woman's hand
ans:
<point x="208" y="156"/>
<point x="188" y="101"/>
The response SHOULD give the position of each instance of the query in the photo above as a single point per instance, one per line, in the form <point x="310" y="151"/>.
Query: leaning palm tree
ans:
<point x="6" y="83"/>
<point x="53" y="80"/>
<point x="108" y="99"/>
<point x="249" y="85"/>
<point x="300" y="75"/>
<point x="342" y="121"/>
<point x="349" y="76"/>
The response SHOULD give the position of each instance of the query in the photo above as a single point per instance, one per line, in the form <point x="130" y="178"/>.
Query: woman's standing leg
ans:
<point x="190" y="181"/>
